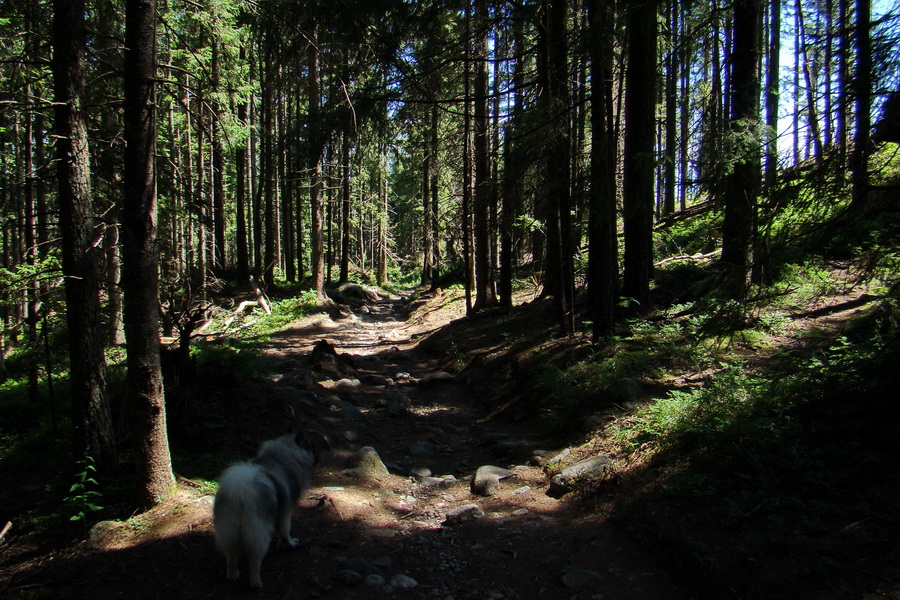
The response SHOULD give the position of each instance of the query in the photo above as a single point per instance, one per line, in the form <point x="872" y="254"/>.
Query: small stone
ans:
<point x="420" y="472"/>
<point x="461" y="514"/>
<point x="392" y="396"/>
<point x="397" y="410"/>
<point x="374" y="580"/>
<point x="581" y="579"/>
<point x="287" y="365"/>
<point x="360" y="565"/>
<point x="561" y="456"/>
<point x="487" y="480"/>
<point x="404" y="582"/>
<point x="349" y="577"/>
<point x="350" y="412"/>
<point x="439" y="378"/>
<point x="102" y="529"/>
<point x="350" y="435"/>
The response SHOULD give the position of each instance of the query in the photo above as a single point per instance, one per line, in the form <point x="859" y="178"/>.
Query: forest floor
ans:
<point x="390" y="537"/>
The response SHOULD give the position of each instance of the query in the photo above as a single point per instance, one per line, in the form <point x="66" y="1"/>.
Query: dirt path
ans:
<point x="394" y="536"/>
<point x="523" y="544"/>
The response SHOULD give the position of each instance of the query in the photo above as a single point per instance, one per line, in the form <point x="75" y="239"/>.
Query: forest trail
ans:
<point x="415" y="526"/>
<point x="402" y="534"/>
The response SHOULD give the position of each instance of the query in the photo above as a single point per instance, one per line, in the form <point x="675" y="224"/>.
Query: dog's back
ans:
<point x="256" y="498"/>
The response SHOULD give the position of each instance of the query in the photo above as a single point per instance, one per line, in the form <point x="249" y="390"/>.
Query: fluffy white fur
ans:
<point x="256" y="499"/>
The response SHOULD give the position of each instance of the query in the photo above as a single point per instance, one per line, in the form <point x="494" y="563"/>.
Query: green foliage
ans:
<point x="83" y="494"/>
<point x="694" y="418"/>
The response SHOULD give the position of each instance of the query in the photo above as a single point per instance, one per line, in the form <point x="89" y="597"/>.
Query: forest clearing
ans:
<point x="576" y="297"/>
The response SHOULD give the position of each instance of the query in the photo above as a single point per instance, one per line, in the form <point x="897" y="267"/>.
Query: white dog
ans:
<point x="256" y="500"/>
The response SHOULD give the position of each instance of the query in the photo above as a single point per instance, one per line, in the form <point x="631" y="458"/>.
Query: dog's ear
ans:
<point x="313" y="440"/>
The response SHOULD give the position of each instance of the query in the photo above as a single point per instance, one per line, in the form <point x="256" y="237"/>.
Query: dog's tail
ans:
<point x="240" y="512"/>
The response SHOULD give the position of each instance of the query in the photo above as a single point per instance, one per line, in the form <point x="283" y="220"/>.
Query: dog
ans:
<point x="256" y="499"/>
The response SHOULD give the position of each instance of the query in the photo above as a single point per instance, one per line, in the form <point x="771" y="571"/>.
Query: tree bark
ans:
<point x="483" y="286"/>
<point x="743" y="183"/>
<point x="140" y="278"/>
<point x="559" y="220"/>
<point x="639" y="159"/>
<point x="862" y="85"/>
<point x="316" y="225"/>
<point x="91" y="419"/>
<point x="603" y="243"/>
<point x="240" y="160"/>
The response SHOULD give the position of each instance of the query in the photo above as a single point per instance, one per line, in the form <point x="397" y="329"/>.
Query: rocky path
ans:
<point x="421" y="498"/>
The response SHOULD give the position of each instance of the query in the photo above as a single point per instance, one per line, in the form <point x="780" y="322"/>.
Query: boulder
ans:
<point x="366" y="464"/>
<point x="325" y="359"/>
<point x="583" y="470"/>
<point x="487" y="480"/>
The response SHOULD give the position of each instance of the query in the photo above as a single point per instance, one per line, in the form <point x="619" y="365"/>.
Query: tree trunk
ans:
<point x="345" y="208"/>
<point x="742" y="185"/>
<point x="640" y="133"/>
<point x="862" y="84"/>
<point x="240" y="193"/>
<point x="218" y="170"/>
<point x="432" y="208"/>
<point x="268" y="163"/>
<point x="468" y="266"/>
<point x="559" y="258"/>
<point x="317" y="232"/>
<point x="483" y="286"/>
<point x="603" y="243"/>
<point x="772" y="93"/>
<point x="140" y="272"/>
<point x="91" y="419"/>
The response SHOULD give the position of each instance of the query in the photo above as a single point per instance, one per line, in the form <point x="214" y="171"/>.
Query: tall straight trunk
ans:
<point x="427" y="227"/>
<point x="640" y="131"/>
<point x="671" y="124"/>
<point x="684" y="107"/>
<point x="862" y="86"/>
<point x="603" y="244"/>
<point x="240" y="195"/>
<point x="301" y="258"/>
<point x="512" y="172"/>
<point x="286" y="193"/>
<point x="381" y="267"/>
<point x="811" y="83"/>
<point x="743" y="183"/>
<point x="434" y="176"/>
<point x="316" y="233"/>
<point x="798" y="19"/>
<point x="772" y="93"/>
<point x="483" y="286"/>
<point x="828" y="71"/>
<point x="468" y="267"/>
<point x="345" y="208"/>
<point x="91" y="419"/>
<point x="140" y="277"/>
<point x="559" y="269"/>
<point x="218" y="169"/>
<point x="32" y="294"/>
<point x="268" y="164"/>
<point x="843" y="104"/>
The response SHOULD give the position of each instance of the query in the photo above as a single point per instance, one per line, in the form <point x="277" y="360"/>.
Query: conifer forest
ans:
<point x="676" y="221"/>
